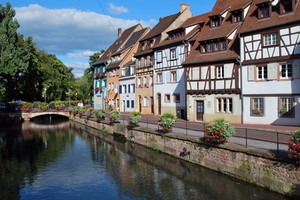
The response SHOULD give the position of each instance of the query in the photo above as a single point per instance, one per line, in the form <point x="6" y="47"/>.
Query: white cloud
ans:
<point x="78" y="67"/>
<point x="117" y="9"/>
<point x="71" y="32"/>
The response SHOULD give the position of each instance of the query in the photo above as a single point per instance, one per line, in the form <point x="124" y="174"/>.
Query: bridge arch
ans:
<point x="28" y="116"/>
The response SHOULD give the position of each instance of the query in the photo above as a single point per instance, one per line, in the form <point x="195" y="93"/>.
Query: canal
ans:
<point x="69" y="161"/>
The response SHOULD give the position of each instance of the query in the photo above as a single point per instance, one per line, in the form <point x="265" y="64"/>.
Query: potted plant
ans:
<point x="166" y="121"/>
<point x="294" y="146"/>
<point x="134" y="118"/>
<point x="90" y="112"/>
<point x="81" y="111"/>
<point x="218" y="131"/>
<point x="100" y="115"/>
<point x="114" y="116"/>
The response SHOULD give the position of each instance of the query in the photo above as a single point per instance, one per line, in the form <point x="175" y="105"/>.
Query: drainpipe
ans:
<point x="241" y="82"/>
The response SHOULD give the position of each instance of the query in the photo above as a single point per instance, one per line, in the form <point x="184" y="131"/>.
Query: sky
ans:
<point x="73" y="30"/>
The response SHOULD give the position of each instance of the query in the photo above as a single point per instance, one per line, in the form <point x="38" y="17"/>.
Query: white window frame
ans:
<point x="173" y="54"/>
<point x="263" y="71"/>
<point x="286" y="71"/>
<point x="270" y="39"/>
<point x="220" y="71"/>
<point x="224" y="105"/>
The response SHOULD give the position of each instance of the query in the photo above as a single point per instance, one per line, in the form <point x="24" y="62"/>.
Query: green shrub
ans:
<point x="90" y="112"/>
<point x="81" y="111"/>
<point x="100" y="115"/>
<point x="218" y="131"/>
<point x="114" y="116"/>
<point x="134" y="118"/>
<point x="167" y="120"/>
<point x="294" y="146"/>
<point x="26" y="106"/>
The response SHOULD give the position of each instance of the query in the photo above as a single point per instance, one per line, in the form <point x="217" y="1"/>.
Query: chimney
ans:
<point x="119" y="32"/>
<point x="183" y="6"/>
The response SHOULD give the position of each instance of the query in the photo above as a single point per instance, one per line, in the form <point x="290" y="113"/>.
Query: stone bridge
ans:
<point x="29" y="115"/>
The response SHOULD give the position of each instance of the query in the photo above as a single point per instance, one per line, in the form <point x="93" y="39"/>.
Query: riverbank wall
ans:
<point x="256" y="166"/>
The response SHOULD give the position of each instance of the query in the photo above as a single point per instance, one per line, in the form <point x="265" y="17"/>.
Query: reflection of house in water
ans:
<point x="270" y="56"/>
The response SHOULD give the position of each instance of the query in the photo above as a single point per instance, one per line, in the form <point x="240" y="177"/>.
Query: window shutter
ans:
<point x="128" y="88"/>
<point x="296" y="70"/>
<point x="120" y="89"/>
<point x="272" y="71"/>
<point x="132" y="103"/>
<point x="251" y="73"/>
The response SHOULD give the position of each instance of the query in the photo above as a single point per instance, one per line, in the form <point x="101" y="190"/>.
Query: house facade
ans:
<point x="169" y="81"/>
<point x="145" y="57"/>
<point x="129" y="39"/>
<point x="212" y="68"/>
<point x="270" y="56"/>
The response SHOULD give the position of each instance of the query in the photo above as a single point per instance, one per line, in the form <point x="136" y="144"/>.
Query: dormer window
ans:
<point x="287" y="6"/>
<point x="215" y="21"/>
<point x="263" y="11"/>
<point x="237" y="16"/>
<point x="143" y="45"/>
<point x="152" y="42"/>
<point x="214" y="46"/>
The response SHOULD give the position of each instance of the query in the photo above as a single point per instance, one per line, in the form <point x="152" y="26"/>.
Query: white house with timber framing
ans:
<point x="169" y="81"/>
<point x="270" y="56"/>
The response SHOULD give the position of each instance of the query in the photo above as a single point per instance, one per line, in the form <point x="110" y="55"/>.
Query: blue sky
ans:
<point x="75" y="29"/>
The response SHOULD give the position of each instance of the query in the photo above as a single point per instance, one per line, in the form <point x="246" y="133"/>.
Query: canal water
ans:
<point x="68" y="161"/>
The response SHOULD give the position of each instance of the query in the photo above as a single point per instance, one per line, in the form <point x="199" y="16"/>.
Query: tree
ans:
<point x="13" y="57"/>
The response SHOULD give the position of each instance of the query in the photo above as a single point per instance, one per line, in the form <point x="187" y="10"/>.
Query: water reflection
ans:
<point x="69" y="161"/>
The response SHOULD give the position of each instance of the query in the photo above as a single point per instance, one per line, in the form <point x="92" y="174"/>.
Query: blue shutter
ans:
<point x="132" y="103"/>
<point x="128" y="104"/>
<point x="128" y="88"/>
<point x="120" y="89"/>
<point x="133" y="88"/>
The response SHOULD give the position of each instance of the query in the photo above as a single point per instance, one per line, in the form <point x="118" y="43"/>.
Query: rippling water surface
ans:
<point x="66" y="161"/>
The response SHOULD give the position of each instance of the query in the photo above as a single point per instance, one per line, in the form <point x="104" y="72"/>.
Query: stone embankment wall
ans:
<point x="259" y="167"/>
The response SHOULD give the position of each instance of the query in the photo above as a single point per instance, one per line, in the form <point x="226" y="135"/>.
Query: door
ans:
<point x="159" y="103"/>
<point x="152" y="105"/>
<point x="200" y="110"/>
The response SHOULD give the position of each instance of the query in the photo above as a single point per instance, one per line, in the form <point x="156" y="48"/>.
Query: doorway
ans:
<point x="159" y="103"/>
<point x="200" y="110"/>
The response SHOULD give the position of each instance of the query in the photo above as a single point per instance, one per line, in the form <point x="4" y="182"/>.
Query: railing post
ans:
<point x="277" y="141"/>
<point x="246" y="137"/>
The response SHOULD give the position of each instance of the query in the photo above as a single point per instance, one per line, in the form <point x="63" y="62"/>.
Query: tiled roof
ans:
<point x="252" y="23"/>
<point x="113" y="65"/>
<point x="223" y="31"/>
<point x="134" y="38"/>
<point x="162" y="25"/>
<point x="195" y="20"/>
<point x="117" y="44"/>
<point x="239" y="5"/>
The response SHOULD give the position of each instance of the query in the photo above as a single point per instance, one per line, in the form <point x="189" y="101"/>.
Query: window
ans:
<point x="286" y="6"/>
<point x="224" y="105"/>
<point x="128" y="104"/>
<point x="270" y="39"/>
<point x="158" y="57"/>
<point x="237" y="16"/>
<point x="215" y="21"/>
<point x="124" y="89"/>
<point x="217" y="46"/>
<point x="145" y="102"/>
<point x="263" y="11"/>
<point x="285" y="107"/>
<point x="257" y="107"/>
<point x="286" y="71"/>
<point x="220" y="71"/>
<point x="223" y="45"/>
<point x="139" y="81"/>
<point x="210" y="47"/>
<point x="159" y="78"/>
<point x="173" y="54"/>
<point x="128" y="88"/>
<point x="176" y="98"/>
<point x="173" y="76"/>
<point x="262" y="72"/>
<point x="132" y="103"/>
<point x="133" y="88"/>
<point x="167" y="98"/>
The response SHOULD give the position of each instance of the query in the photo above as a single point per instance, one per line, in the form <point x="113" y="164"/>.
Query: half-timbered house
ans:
<point x="145" y="57"/>
<point x="169" y="81"/>
<point x="270" y="56"/>
<point x="130" y="38"/>
<point x="212" y="68"/>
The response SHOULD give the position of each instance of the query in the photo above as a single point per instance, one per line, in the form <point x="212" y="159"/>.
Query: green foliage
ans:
<point x="81" y="111"/>
<point x="114" y="116"/>
<point x="100" y="114"/>
<point x="90" y="112"/>
<point x="134" y="118"/>
<point x="26" y="106"/>
<point x="104" y="131"/>
<point x="219" y="131"/>
<point x="294" y="146"/>
<point x="167" y="120"/>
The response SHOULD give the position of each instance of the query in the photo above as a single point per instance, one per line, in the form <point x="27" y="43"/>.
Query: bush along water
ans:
<point x="218" y="132"/>
<point x="114" y="116"/>
<point x="100" y="115"/>
<point x="294" y="146"/>
<point x="134" y="119"/>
